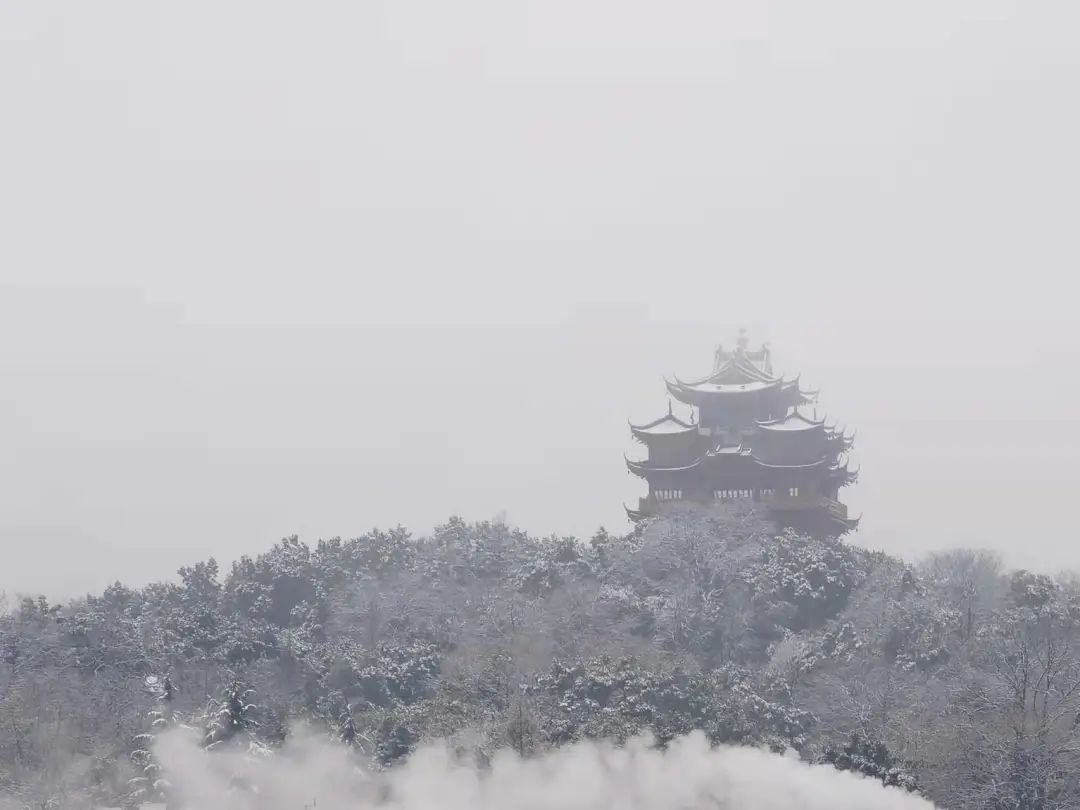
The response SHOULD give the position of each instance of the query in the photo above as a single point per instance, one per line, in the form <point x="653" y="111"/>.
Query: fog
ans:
<point x="270" y="268"/>
<point x="690" y="774"/>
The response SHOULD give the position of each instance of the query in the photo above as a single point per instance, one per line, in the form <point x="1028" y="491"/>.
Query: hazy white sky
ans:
<point x="271" y="268"/>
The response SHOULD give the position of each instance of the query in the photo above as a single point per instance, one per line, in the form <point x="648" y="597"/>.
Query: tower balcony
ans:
<point x="649" y="503"/>
<point x="782" y="501"/>
<point x="785" y="502"/>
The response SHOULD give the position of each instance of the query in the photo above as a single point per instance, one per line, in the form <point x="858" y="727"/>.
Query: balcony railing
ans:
<point x="792" y="503"/>
<point x="776" y="502"/>
<point x="798" y="503"/>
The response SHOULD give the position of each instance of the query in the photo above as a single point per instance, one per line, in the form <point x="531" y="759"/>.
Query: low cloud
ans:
<point x="688" y="775"/>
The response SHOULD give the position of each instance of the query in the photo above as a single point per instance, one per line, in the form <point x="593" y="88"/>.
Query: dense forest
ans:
<point x="951" y="677"/>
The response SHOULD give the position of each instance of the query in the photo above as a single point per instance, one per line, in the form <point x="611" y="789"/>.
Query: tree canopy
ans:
<point x="953" y="676"/>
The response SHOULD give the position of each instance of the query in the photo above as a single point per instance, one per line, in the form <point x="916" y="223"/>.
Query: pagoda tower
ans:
<point x="748" y="438"/>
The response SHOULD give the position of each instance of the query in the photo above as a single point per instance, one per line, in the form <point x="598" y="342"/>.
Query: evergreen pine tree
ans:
<point x="151" y="785"/>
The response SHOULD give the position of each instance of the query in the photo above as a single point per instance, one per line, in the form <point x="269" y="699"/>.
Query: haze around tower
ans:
<point x="267" y="270"/>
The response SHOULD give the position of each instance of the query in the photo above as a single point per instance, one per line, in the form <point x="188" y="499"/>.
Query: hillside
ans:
<point x="953" y="677"/>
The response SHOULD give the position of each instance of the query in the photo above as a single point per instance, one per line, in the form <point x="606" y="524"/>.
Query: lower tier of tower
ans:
<point x="804" y="511"/>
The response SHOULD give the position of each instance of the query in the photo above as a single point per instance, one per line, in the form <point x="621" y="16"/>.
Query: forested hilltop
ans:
<point x="953" y="677"/>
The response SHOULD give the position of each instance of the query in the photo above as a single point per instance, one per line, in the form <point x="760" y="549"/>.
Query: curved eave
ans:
<point x="800" y="395"/>
<point x="842" y="476"/>
<point x="645" y="432"/>
<point x="839" y="466"/>
<point x="847" y="524"/>
<point x="635" y="515"/>
<point x="819" y="463"/>
<point x="842" y="442"/>
<point x="749" y="386"/>
<point x="783" y="424"/>
<point x="839" y="439"/>
<point x="645" y="436"/>
<point x="694" y="393"/>
<point x="836" y="450"/>
<point x="643" y="468"/>
<point x="667" y="417"/>
<point x="743" y="366"/>
<point x="677" y="390"/>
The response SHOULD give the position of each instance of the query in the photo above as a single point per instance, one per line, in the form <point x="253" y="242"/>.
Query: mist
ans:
<point x="267" y="270"/>
<point x="312" y="271"/>
<point x="689" y="774"/>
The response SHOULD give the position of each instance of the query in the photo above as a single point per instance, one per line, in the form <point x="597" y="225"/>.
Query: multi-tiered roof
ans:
<point x="749" y="437"/>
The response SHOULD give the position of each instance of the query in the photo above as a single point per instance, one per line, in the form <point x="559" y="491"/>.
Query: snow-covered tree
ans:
<point x="151" y="784"/>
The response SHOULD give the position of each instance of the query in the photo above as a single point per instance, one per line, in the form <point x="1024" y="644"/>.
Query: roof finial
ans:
<point x="669" y="413"/>
<point x="742" y="341"/>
